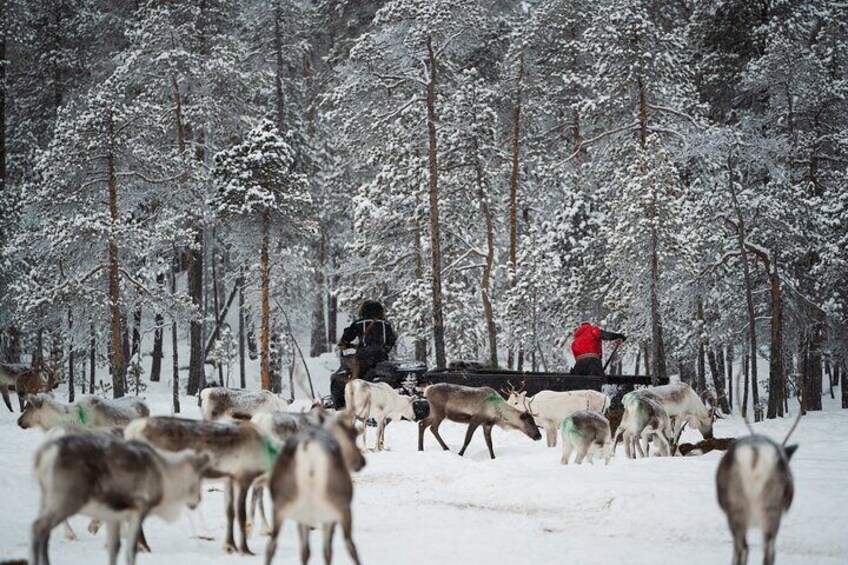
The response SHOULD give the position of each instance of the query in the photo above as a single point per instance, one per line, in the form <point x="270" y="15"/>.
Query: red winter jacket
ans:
<point x="587" y="339"/>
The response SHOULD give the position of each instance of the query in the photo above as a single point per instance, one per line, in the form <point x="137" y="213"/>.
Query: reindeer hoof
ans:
<point x="143" y="548"/>
<point x="248" y="526"/>
<point x="230" y="548"/>
<point x="70" y="535"/>
<point x="94" y="526"/>
<point x="265" y="531"/>
<point x="245" y="551"/>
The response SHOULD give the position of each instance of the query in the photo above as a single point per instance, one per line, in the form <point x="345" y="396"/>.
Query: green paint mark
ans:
<point x="629" y="398"/>
<point x="81" y="415"/>
<point x="568" y="426"/>
<point x="494" y="398"/>
<point x="271" y="452"/>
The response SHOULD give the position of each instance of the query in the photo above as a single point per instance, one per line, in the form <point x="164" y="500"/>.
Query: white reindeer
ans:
<point x="683" y="406"/>
<point x="643" y="418"/>
<point x="229" y="404"/>
<point x="549" y="407"/>
<point x="379" y="401"/>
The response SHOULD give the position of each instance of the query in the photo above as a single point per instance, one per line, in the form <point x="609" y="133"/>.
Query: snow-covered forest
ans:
<point x="494" y="171"/>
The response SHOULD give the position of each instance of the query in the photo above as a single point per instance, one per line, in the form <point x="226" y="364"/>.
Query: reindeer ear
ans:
<point x="790" y="450"/>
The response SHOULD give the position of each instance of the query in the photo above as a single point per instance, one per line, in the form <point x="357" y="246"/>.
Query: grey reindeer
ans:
<point x="589" y="433"/>
<point x="481" y="406"/>
<point x="755" y="488"/>
<point x="112" y="480"/>
<point x="643" y="417"/>
<point x="311" y="484"/>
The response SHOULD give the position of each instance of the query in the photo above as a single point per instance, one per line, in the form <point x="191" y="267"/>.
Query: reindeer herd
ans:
<point x="112" y="461"/>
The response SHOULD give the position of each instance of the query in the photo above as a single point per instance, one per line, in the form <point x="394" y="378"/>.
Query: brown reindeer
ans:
<point x="39" y="377"/>
<point x="311" y="484"/>
<point x="477" y="407"/>
<point x="112" y="480"/>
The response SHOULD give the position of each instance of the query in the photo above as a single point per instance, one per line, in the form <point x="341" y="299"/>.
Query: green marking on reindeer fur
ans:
<point x="82" y="416"/>
<point x="271" y="453"/>
<point x="494" y="398"/>
<point x="567" y="426"/>
<point x="628" y="399"/>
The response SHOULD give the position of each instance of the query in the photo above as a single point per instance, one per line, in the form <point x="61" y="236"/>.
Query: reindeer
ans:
<point x="551" y="407"/>
<point x="38" y="378"/>
<point x="218" y="403"/>
<point x="311" y="484"/>
<point x="755" y="487"/>
<point x="89" y="411"/>
<point x="475" y="406"/>
<point x="282" y="425"/>
<point x="379" y="401"/>
<point x="642" y="417"/>
<point x="112" y="480"/>
<point x="683" y="406"/>
<point x="589" y="432"/>
<point x="240" y="453"/>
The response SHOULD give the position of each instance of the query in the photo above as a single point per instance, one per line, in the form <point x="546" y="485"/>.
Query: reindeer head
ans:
<point x="32" y="410"/>
<point x="407" y="409"/>
<point x="517" y="398"/>
<point x="705" y="424"/>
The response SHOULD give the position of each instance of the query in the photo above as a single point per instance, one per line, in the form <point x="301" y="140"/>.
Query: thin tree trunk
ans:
<point x="435" y="244"/>
<point x="265" y="324"/>
<point x="118" y="364"/>
<point x="746" y="360"/>
<point x="241" y="328"/>
<point x="636" y="367"/>
<point x="741" y="235"/>
<point x="843" y="384"/>
<point x="730" y="385"/>
<point x="216" y="304"/>
<point x="196" y="371"/>
<point x="279" y="69"/>
<point x="485" y="283"/>
<point x="513" y="196"/>
<point x="701" y="366"/>
<point x="813" y="378"/>
<point x="716" y="363"/>
<point x="175" y="354"/>
<point x="71" y="384"/>
<point x="318" y="344"/>
<point x="92" y="354"/>
<point x="159" y="321"/>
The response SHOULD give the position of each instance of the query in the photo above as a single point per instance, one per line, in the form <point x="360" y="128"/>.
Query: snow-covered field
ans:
<point x="434" y="507"/>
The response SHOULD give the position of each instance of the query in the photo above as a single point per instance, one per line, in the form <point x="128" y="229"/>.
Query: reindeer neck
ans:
<point x="64" y="415"/>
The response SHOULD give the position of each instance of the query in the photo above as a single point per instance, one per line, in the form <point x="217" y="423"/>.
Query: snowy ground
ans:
<point x="423" y="508"/>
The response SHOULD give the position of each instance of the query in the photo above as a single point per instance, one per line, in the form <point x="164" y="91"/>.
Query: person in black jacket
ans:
<point x="371" y="335"/>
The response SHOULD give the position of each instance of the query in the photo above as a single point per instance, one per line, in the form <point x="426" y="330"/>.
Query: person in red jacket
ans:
<point x="588" y="349"/>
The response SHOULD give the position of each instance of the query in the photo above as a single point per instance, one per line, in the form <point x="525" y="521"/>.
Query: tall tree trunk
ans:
<point x="175" y="353"/>
<point x="92" y="354"/>
<point x="741" y="236"/>
<point x="265" y="324"/>
<point x="196" y="371"/>
<point x="513" y="196"/>
<point x="718" y="379"/>
<point x="279" y="70"/>
<point x="485" y="283"/>
<point x="241" y="328"/>
<point x="156" y="361"/>
<point x="136" y="333"/>
<point x="71" y="384"/>
<point x="813" y="378"/>
<point x="843" y="384"/>
<point x="118" y="363"/>
<point x="435" y="240"/>
<point x="730" y="385"/>
<point x="217" y="304"/>
<point x="746" y="361"/>
<point x="318" y="343"/>
<point x="702" y="345"/>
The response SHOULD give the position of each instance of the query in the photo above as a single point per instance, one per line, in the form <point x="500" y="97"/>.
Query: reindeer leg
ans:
<point x="618" y="434"/>
<point x="422" y="427"/>
<point x="41" y="529"/>
<point x="5" y="392"/>
<point x="134" y="532"/>
<point x="229" y="540"/>
<point x="241" y="506"/>
<point x="329" y="530"/>
<point x="255" y="494"/>
<point x="113" y="540"/>
<point x="740" y="543"/>
<point x="665" y="448"/>
<point x="551" y="435"/>
<point x="581" y="454"/>
<point x="303" y="534"/>
<point x="266" y="528"/>
<point x="21" y="400"/>
<point x="347" y="526"/>
<point x="143" y="546"/>
<point x="435" y="429"/>
<point x="566" y="449"/>
<point x="381" y="432"/>
<point x="472" y="426"/>
<point x="487" y="433"/>
<point x="270" y="549"/>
